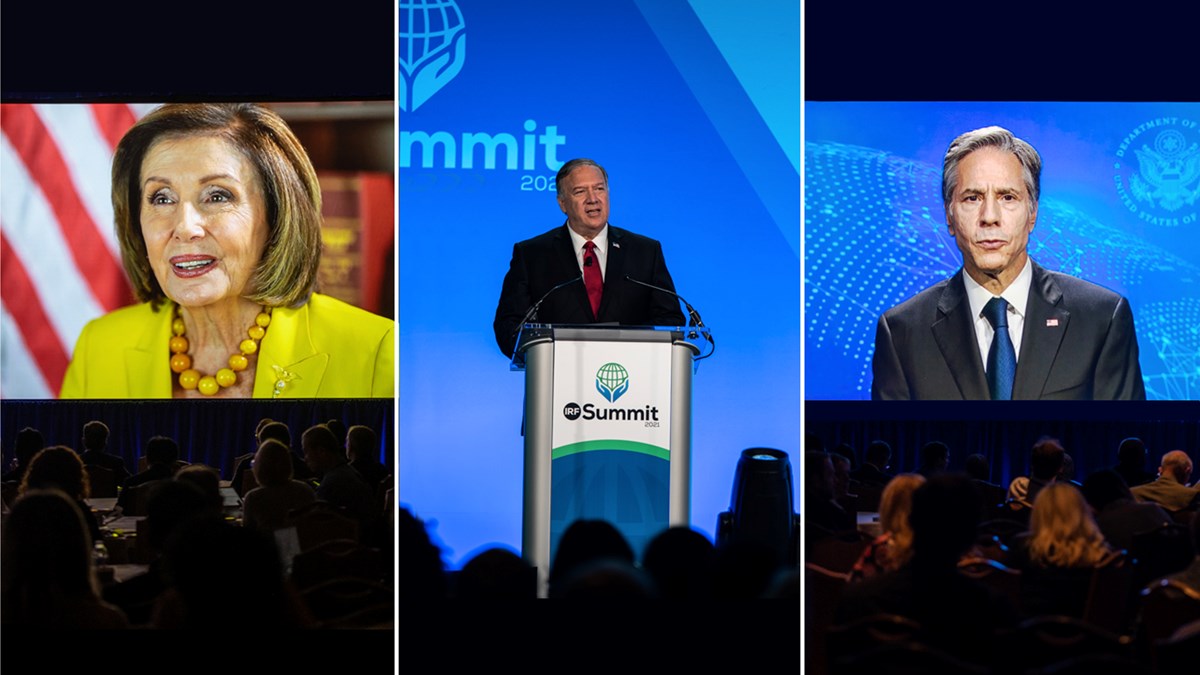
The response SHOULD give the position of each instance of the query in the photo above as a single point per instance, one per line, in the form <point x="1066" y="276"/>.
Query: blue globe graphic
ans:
<point x="426" y="26"/>
<point x="432" y="48"/>
<point x="612" y="379"/>
<point x="875" y="235"/>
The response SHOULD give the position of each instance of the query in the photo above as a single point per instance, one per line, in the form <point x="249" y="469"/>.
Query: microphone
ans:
<point x="532" y="313"/>
<point x="695" y="316"/>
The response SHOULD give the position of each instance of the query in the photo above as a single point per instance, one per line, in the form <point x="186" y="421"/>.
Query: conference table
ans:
<point x="127" y="555"/>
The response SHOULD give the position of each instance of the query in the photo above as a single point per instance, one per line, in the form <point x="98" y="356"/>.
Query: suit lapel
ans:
<point x="614" y="270"/>
<point x="148" y="369"/>
<point x="1045" y="325"/>
<point x="954" y="332"/>
<point x="289" y="364"/>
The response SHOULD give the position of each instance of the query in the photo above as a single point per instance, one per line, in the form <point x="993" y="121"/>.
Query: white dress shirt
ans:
<point x="601" y="252"/>
<point x="1017" y="296"/>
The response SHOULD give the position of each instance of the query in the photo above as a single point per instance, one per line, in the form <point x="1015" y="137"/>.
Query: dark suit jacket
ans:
<point x="1167" y="493"/>
<point x="541" y="263"/>
<point x="1078" y="343"/>
<point x="111" y="462"/>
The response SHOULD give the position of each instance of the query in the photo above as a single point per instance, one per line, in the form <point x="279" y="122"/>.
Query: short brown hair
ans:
<point x="287" y="273"/>
<point x="319" y="436"/>
<point x="362" y="443"/>
<point x="95" y="435"/>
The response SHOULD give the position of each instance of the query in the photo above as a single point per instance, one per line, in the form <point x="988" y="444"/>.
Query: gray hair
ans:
<point x="571" y="166"/>
<point x="992" y="137"/>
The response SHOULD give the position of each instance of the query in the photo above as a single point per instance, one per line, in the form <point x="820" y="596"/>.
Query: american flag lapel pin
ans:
<point x="1051" y="323"/>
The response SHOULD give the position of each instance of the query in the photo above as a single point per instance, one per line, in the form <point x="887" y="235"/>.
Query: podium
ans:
<point x="607" y="431"/>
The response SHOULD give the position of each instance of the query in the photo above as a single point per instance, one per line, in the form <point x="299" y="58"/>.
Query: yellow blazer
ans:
<point x="324" y="349"/>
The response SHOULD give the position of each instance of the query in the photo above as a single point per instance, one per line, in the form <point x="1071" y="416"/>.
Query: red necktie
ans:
<point x="591" y="277"/>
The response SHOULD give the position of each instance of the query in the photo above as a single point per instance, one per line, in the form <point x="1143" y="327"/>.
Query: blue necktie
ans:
<point x="1002" y="357"/>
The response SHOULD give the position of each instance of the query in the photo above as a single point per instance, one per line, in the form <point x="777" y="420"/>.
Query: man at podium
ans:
<point x="585" y="271"/>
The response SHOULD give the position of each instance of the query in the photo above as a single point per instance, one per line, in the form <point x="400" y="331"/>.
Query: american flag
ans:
<point x="60" y="265"/>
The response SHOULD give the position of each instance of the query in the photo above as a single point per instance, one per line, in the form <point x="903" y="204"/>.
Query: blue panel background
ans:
<point x="628" y="489"/>
<point x="696" y="159"/>
<point x="875" y="229"/>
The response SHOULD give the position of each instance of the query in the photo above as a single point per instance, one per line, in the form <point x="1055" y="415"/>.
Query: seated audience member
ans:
<point x="820" y="507"/>
<point x="990" y="495"/>
<point x="266" y="507"/>
<point x="841" y="481"/>
<point x="496" y="574"/>
<point x="1067" y="473"/>
<point x="873" y="470"/>
<point x="1118" y="515"/>
<point x="1131" y="462"/>
<point x="223" y="575"/>
<point x="957" y="614"/>
<point x="171" y="503"/>
<point x="259" y="427"/>
<point x="935" y="458"/>
<point x="846" y="450"/>
<point x="47" y="579"/>
<point x="242" y="466"/>
<point x="362" y="449"/>
<point x="29" y="442"/>
<point x="338" y="483"/>
<point x="681" y="560"/>
<point x="1190" y="576"/>
<point x="161" y="455"/>
<point x="421" y="576"/>
<point x="583" y="558"/>
<point x="1045" y="461"/>
<point x="607" y="580"/>
<point x="208" y="480"/>
<point x="58" y="467"/>
<point x="893" y="548"/>
<point x="338" y="428"/>
<point x="95" y="445"/>
<point x="1170" y="489"/>
<point x="1063" y="546"/>
<point x="280" y="431"/>
<point x="272" y="430"/>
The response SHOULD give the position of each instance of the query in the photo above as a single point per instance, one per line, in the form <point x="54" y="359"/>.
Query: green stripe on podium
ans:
<point x="622" y="446"/>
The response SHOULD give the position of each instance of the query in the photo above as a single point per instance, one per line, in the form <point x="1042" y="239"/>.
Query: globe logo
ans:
<point x="612" y="380"/>
<point x="433" y="47"/>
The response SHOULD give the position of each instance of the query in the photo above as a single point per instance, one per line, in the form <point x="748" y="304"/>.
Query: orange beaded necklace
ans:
<point x="190" y="378"/>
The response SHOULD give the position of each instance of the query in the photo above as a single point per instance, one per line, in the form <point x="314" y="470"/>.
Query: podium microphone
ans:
<point x="695" y="316"/>
<point x="532" y="313"/>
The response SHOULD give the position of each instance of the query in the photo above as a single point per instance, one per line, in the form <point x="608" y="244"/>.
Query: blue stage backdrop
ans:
<point x="1119" y="206"/>
<point x="692" y="107"/>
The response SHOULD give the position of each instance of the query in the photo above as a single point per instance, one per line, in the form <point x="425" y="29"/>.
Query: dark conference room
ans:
<point x="125" y="510"/>
<point x="945" y="530"/>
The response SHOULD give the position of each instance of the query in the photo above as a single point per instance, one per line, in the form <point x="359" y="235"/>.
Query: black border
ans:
<point x="153" y="52"/>
<point x="1016" y="50"/>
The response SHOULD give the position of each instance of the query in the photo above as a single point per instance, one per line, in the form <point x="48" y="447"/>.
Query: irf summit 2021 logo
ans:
<point x="612" y="380"/>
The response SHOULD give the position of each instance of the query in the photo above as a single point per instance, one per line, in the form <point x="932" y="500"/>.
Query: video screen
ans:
<point x="1119" y="207"/>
